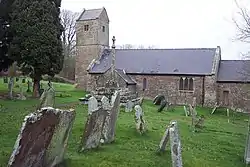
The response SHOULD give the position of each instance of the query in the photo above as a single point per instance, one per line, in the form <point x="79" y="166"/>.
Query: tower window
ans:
<point x="86" y="27"/>
<point x="103" y="28"/>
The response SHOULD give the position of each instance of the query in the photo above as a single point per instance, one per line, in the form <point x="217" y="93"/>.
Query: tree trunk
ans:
<point x="36" y="83"/>
<point x="10" y="87"/>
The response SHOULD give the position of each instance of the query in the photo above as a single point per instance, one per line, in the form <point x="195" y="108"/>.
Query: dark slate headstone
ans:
<point x="42" y="139"/>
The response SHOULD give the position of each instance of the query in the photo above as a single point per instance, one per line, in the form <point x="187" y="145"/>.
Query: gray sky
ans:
<point x="170" y="23"/>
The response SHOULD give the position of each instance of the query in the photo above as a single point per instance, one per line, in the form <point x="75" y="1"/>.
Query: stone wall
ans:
<point x="238" y="95"/>
<point x="169" y="86"/>
<point x="210" y="90"/>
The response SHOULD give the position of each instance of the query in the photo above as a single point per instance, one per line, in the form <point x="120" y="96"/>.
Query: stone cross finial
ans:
<point x="113" y="39"/>
<point x="113" y="60"/>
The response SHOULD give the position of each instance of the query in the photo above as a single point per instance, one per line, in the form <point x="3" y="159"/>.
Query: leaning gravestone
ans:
<point x="47" y="99"/>
<point x="93" y="129"/>
<point x="129" y="106"/>
<point x="92" y="104"/>
<point x="172" y="134"/>
<point x="43" y="138"/>
<point x="139" y="120"/>
<point x="110" y="121"/>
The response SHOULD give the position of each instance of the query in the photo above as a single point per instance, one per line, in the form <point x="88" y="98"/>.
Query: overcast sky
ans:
<point x="170" y="23"/>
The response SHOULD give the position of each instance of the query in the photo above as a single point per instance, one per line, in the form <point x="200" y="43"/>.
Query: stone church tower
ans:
<point x="92" y="36"/>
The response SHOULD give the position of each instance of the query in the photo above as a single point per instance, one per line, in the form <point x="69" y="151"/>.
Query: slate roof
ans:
<point x="234" y="71"/>
<point x="188" y="61"/>
<point x="125" y="77"/>
<point x="90" y="14"/>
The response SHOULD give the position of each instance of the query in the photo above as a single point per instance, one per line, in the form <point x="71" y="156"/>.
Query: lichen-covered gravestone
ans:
<point x="172" y="134"/>
<point x="92" y="105"/>
<point x="110" y="121"/>
<point x="139" y="120"/>
<point x="129" y="106"/>
<point x="93" y="129"/>
<point x="247" y="147"/>
<point x="164" y="140"/>
<point x="47" y="99"/>
<point x="175" y="144"/>
<point x="43" y="138"/>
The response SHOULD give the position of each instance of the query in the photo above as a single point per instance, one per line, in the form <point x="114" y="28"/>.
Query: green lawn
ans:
<point x="219" y="144"/>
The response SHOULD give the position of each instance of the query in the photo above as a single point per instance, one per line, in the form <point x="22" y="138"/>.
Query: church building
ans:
<point x="180" y="73"/>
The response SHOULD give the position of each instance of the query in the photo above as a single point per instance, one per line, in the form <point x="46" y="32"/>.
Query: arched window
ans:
<point x="186" y="83"/>
<point x="144" y="84"/>
<point x="181" y="84"/>
<point x="191" y="84"/>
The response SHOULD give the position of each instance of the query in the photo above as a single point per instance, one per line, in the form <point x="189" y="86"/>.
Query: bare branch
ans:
<point x="243" y="24"/>
<point x="68" y="20"/>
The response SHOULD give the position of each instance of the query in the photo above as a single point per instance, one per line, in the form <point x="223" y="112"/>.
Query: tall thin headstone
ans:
<point x="175" y="145"/>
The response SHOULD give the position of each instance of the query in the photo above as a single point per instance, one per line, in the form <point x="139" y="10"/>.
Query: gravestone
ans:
<point x="5" y="80"/>
<point x="47" y="99"/>
<point x="129" y="106"/>
<point x="175" y="145"/>
<point x="110" y="121"/>
<point x="43" y="138"/>
<point x="92" y="104"/>
<point x="186" y="111"/>
<point x="29" y="84"/>
<point x="105" y="103"/>
<point x="164" y="140"/>
<point x="21" y="96"/>
<point x="93" y="129"/>
<point x="247" y="146"/>
<point x="162" y="105"/>
<point x="139" y="120"/>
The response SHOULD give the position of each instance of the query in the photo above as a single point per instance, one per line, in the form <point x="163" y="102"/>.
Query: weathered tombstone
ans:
<point x="29" y="84"/>
<point x="110" y="121"/>
<point x="200" y="122"/>
<point x="172" y="134"/>
<point x="43" y="138"/>
<point x="164" y="140"/>
<point x="228" y="120"/>
<point x="175" y="145"/>
<point x="5" y="80"/>
<point x="162" y="105"/>
<point x="92" y="104"/>
<point x="247" y="147"/>
<point x="93" y="129"/>
<point x="21" y="97"/>
<point x="186" y="111"/>
<point x="157" y="100"/>
<point x="139" y="120"/>
<point x="105" y="103"/>
<point x="129" y="106"/>
<point x="47" y="99"/>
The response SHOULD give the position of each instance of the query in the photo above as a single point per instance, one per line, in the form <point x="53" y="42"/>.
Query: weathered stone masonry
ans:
<point x="205" y="69"/>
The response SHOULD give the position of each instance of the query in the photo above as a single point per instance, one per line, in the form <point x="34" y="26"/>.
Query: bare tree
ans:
<point x="68" y="19"/>
<point x="242" y="23"/>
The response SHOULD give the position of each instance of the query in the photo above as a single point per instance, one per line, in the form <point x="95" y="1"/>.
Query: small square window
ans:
<point x="86" y="27"/>
<point x="103" y="28"/>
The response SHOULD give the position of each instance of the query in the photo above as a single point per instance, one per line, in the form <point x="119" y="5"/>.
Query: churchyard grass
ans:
<point x="218" y="144"/>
